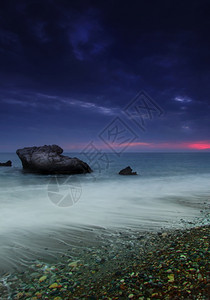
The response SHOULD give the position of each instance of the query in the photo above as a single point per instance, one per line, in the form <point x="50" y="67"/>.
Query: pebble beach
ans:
<point x="168" y="264"/>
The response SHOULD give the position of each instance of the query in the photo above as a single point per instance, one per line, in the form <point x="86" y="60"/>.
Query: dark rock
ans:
<point x="140" y="237"/>
<point x="118" y="273"/>
<point x="127" y="171"/>
<point x="48" y="160"/>
<point x="6" y="164"/>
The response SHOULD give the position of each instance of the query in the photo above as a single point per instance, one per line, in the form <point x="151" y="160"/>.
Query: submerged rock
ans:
<point x="6" y="164"/>
<point x="127" y="171"/>
<point x="48" y="160"/>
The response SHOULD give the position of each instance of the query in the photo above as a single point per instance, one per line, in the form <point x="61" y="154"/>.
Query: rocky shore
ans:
<point x="171" y="264"/>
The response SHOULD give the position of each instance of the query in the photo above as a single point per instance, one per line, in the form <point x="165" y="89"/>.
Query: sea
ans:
<point x="170" y="190"/>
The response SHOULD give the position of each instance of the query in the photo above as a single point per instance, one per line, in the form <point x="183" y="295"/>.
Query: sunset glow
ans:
<point x="196" y="145"/>
<point x="200" y="145"/>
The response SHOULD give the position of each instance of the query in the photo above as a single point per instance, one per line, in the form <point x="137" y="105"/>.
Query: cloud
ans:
<point x="91" y="106"/>
<point x="9" y="41"/>
<point x="40" y="32"/>
<point x="19" y="102"/>
<point x="186" y="128"/>
<point x="183" y="99"/>
<point x="87" y="37"/>
<point x="40" y="100"/>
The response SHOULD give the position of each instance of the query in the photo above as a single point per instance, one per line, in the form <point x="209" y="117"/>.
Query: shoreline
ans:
<point x="21" y="249"/>
<point x="145" y="265"/>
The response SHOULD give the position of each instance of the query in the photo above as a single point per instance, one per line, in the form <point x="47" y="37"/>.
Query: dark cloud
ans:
<point x="79" y="62"/>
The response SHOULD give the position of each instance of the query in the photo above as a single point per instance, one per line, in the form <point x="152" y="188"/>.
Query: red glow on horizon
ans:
<point x="200" y="145"/>
<point x="195" y="145"/>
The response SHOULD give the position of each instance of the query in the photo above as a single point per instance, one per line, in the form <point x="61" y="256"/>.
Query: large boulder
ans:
<point x="127" y="171"/>
<point x="49" y="160"/>
<point x="6" y="164"/>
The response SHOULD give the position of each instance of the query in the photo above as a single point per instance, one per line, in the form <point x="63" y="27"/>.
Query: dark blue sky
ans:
<point x="69" y="69"/>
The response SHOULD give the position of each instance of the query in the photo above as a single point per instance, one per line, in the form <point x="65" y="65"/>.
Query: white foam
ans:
<point x="103" y="203"/>
<point x="30" y="221"/>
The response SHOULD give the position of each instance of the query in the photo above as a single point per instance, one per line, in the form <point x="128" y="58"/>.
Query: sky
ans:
<point x="114" y="75"/>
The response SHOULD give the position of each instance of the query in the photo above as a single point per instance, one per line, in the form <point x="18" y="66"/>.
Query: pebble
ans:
<point x="43" y="278"/>
<point x="73" y="264"/>
<point x="171" y="278"/>
<point x="53" y="285"/>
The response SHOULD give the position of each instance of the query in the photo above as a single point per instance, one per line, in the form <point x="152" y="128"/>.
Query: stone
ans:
<point x="6" y="164"/>
<point x="73" y="264"/>
<point x="49" y="160"/>
<point x="127" y="171"/>
<point x="43" y="278"/>
<point x="171" y="278"/>
<point x="53" y="285"/>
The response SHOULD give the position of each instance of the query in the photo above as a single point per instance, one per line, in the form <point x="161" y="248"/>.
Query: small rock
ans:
<point x="127" y="171"/>
<point x="73" y="264"/>
<point x="53" y="286"/>
<point x="38" y="295"/>
<point x="169" y="271"/>
<point x="6" y="164"/>
<point x="171" y="278"/>
<point x="118" y="273"/>
<point x="43" y="278"/>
